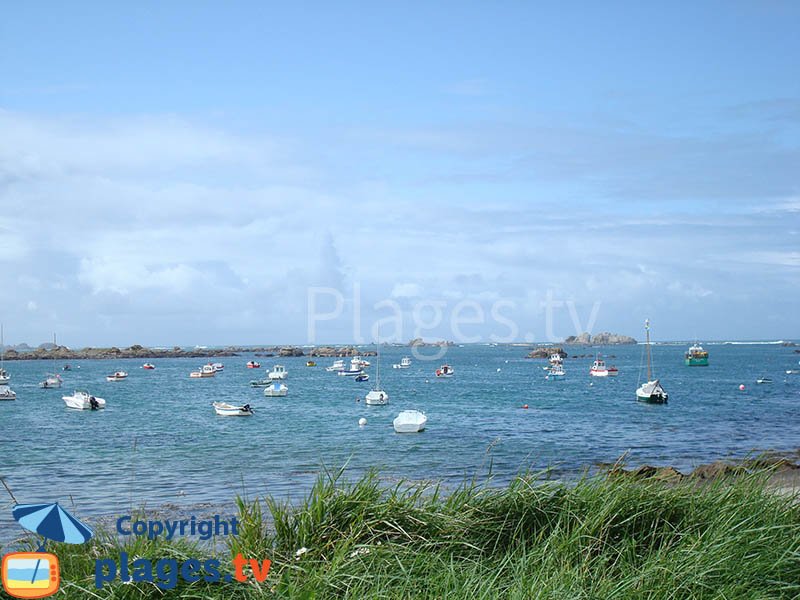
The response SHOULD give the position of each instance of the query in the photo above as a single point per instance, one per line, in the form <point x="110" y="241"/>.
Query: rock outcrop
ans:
<point x="420" y="342"/>
<point x="546" y="352"/>
<point x="601" y="339"/>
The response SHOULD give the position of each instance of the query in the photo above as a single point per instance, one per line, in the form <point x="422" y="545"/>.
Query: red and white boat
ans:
<point x="253" y="365"/>
<point x="148" y="366"/>
<point x="599" y="369"/>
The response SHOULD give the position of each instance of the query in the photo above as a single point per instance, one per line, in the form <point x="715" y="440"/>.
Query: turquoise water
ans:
<point x="159" y="441"/>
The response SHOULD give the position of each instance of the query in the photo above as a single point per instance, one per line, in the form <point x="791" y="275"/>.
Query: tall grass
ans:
<point x="599" y="538"/>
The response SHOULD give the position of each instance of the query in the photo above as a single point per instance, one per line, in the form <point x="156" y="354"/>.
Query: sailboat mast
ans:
<point x="2" y="347"/>
<point x="647" y="330"/>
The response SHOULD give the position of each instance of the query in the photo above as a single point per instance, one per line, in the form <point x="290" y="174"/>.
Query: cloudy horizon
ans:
<point x="164" y="186"/>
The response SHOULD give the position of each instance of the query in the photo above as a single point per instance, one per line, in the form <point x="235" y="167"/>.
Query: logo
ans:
<point x="36" y="574"/>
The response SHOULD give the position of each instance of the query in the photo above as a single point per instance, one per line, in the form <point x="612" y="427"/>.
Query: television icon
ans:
<point x="31" y="574"/>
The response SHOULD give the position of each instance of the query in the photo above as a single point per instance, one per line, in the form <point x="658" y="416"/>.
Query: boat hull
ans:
<point x="377" y="398"/>
<point x="696" y="362"/>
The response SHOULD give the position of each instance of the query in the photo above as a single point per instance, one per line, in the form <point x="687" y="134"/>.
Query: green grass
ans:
<point x="610" y="537"/>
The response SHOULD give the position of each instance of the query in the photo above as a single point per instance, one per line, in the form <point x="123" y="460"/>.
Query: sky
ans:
<point x="209" y="173"/>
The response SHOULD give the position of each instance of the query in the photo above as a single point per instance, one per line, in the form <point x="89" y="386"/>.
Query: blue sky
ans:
<point x="182" y="173"/>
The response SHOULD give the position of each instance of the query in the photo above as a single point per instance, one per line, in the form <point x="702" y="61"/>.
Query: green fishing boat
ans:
<point x="696" y="356"/>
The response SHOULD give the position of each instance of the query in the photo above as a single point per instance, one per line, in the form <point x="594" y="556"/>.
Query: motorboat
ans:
<point x="205" y="371"/>
<point x="556" y="359"/>
<point x="260" y="382"/>
<point x="311" y="363"/>
<point x="251" y="364"/>
<point x="83" y="400"/>
<point x="229" y="410"/>
<point x="148" y="366"/>
<point x="362" y="376"/>
<point x="338" y="365"/>
<point x="763" y="380"/>
<point x="556" y="372"/>
<point x="651" y="391"/>
<point x="53" y="381"/>
<point x="445" y="371"/>
<point x="278" y="372"/>
<point x="218" y="366"/>
<point x="117" y="376"/>
<point x="599" y="369"/>
<point x="276" y="389"/>
<point x="350" y="372"/>
<point x="4" y="377"/>
<point x="696" y="356"/>
<point x="6" y="393"/>
<point x="410" y="421"/>
<point x="404" y="363"/>
<point x="358" y="362"/>
<point x="67" y="367"/>
<point x="377" y="398"/>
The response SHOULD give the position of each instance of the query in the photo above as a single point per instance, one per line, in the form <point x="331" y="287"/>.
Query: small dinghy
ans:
<point x="229" y="410"/>
<point x="83" y="400"/>
<point x="117" y="376"/>
<point x="763" y="380"/>
<point x="260" y="382"/>
<point x="362" y="376"/>
<point x="251" y="364"/>
<point x="148" y="366"/>
<point x="445" y="371"/>
<point x="276" y="389"/>
<point x="410" y="421"/>
<point x="6" y="393"/>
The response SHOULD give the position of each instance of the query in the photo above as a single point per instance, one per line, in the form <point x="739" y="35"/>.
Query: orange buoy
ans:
<point x="524" y="406"/>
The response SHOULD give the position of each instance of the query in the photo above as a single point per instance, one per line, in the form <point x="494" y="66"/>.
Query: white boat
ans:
<point x="376" y="396"/>
<point x="338" y="365"/>
<point x="52" y="381"/>
<point x="205" y="371"/>
<point x="404" y="363"/>
<point x="278" y="372"/>
<point x="556" y="359"/>
<point x="362" y="376"/>
<point x="276" y="389"/>
<point x="651" y="391"/>
<point x="599" y="369"/>
<point x="445" y="371"/>
<point x="410" y="421"/>
<point x="218" y="367"/>
<point x="4" y="376"/>
<point x="117" y="376"/>
<point x="229" y="410"/>
<point x="358" y="362"/>
<point x="556" y="372"/>
<point x="82" y="400"/>
<point x="148" y="366"/>
<point x="6" y="393"/>
<point x="763" y="380"/>
<point x="350" y="372"/>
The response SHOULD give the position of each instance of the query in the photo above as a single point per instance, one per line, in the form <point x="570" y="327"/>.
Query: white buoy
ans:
<point x="362" y="421"/>
<point x="498" y="369"/>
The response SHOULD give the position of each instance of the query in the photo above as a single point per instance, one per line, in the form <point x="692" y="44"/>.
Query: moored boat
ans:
<point x="696" y="356"/>
<point x="651" y="391"/>
<point x="205" y="371"/>
<point x="556" y="371"/>
<point x="83" y="400"/>
<point x="599" y="369"/>
<point x="229" y="410"/>
<point x="53" y="381"/>
<point x="278" y="372"/>
<point x="148" y="366"/>
<point x="6" y="393"/>
<point x="410" y="421"/>
<point x="445" y="371"/>
<point x="251" y="364"/>
<point x="362" y="376"/>
<point x="218" y="366"/>
<point x="117" y="376"/>
<point x="338" y="365"/>
<point x="404" y="363"/>
<point x="276" y="389"/>
<point x="260" y="382"/>
<point x="311" y="363"/>
<point x="764" y="380"/>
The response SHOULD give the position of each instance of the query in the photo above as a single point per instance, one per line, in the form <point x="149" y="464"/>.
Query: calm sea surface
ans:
<point x="159" y="441"/>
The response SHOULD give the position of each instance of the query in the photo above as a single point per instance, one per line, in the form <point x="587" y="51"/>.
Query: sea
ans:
<point x="159" y="442"/>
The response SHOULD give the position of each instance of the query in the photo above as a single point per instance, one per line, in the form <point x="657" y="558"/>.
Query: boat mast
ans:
<point x="647" y="330"/>
<point x="2" y="347"/>
<point x="55" y="345"/>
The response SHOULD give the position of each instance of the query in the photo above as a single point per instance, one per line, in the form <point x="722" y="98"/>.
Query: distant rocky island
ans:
<point x="601" y="339"/>
<point x="419" y="342"/>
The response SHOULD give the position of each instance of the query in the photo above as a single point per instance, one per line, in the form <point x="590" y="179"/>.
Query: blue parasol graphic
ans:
<point x="51" y="522"/>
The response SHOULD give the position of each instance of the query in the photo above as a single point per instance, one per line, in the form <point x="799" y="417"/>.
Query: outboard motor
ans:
<point x="246" y="408"/>
<point x="93" y="403"/>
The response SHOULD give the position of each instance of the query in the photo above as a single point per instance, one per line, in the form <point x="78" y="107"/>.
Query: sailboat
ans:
<point x="4" y="376"/>
<point x="651" y="391"/>
<point x="377" y="397"/>
<point x="53" y="379"/>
